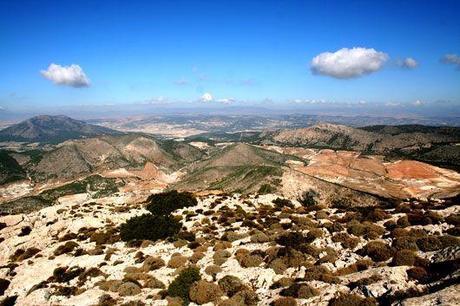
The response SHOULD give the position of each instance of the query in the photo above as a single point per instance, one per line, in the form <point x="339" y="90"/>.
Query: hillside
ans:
<point x="84" y="156"/>
<point x="409" y="141"/>
<point x="238" y="167"/>
<point x="76" y="158"/>
<point x="52" y="129"/>
<point x="10" y="170"/>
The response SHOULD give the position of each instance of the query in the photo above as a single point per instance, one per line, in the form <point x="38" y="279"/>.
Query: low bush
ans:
<point x="405" y="242"/>
<point x="365" y="229"/>
<point x="417" y="273"/>
<point x="308" y="198"/>
<point x="149" y="227"/>
<point x="365" y="281"/>
<point x="300" y="291"/>
<point x="347" y="241"/>
<point x="377" y="250"/>
<point x="404" y="258"/>
<point x="428" y="244"/>
<point x="180" y="286"/>
<point x="4" y="284"/>
<point x="291" y="239"/>
<point x="167" y="202"/>
<point x="449" y="241"/>
<point x="230" y="285"/>
<point x="349" y="299"/>
<point x="280" y="203"/>
<point x="65" y="248"/>
<point x="65" y="274"/>
<point x="285" y="301"/>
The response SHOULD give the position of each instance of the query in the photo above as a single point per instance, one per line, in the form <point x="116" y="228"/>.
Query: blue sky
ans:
<point x="241" y="52"/>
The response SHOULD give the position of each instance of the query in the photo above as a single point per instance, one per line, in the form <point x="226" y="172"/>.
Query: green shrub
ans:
<point x="428" y="244"/>
<point x="405" y="242"/>
<point x="149" y="227"/>
<point x="180" y="286"/>
<point x="309" y="198"/>
<point x="266" y="188"/>
<point x="349" y="299"/>
<point x="280" y="203"/>
<point x="166" y="202"/>
<point x="377" y="250"/>
<point x="404" y="258"/>
<point x="291" y="239"/>
<point x="417" y="273"/>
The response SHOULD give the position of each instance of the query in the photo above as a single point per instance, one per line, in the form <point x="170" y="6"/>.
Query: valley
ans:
<point x="324" y="215"/>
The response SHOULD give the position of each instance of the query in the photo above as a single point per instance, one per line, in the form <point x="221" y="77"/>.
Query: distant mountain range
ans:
<point x="218" y="161"/>
<point x="52" y="129"/>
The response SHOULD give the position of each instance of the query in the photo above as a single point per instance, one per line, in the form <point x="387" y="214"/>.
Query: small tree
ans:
<point x="166" y="202"/>
<point x="309" y="198"/>
<point x="149" y="227"/>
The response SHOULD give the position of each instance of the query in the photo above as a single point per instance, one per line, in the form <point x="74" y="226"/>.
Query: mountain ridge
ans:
<point x="52" y="129"/>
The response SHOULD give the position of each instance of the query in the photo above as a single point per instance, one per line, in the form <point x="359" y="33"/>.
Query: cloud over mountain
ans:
<point x="72" y="75"/>
<point x="348" y="63"/>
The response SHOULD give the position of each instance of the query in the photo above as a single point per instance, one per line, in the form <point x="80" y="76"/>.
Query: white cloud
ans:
<point x="452" y="59"/>
<point x="71" y="75"/>
<point x="348" y="63"/>
<point x="408" y="63"/>
<point x="226" y="100"/>
<point x="418" y="103"/>
<point x="207" y="97"/>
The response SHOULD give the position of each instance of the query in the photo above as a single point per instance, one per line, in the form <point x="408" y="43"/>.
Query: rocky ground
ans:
<point x="249" y="250"/>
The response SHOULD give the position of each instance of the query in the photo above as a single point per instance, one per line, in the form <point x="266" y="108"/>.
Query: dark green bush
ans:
<point x="377" y="251"/>
<point x="309" y="198"/>
<point x="149" y="227"/>
<point x="280" y="203"/>
<point x="404" y="258"/>
<point x="180" y="286"/>
<point x="349" y="299"/>
<point x="291" y="239"/>
<point x="266" y="188"/>
<point x="428" y="244"/>
<point x="166" y="202"/>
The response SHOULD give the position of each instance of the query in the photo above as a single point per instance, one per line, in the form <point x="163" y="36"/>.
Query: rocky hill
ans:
<point x="52" y="129"/>
<point x="237" y="167"/>
<point x="408" y="141"/>
<point x="77" y="158"/>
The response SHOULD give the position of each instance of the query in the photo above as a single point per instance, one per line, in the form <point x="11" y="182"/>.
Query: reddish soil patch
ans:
<point x="409" y="169"/>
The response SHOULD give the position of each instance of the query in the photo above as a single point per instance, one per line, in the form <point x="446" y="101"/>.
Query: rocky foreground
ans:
<point x="233" y="250"/>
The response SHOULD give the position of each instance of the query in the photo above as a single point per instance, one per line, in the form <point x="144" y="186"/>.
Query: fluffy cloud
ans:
<point x="348" y="63"/>
<point x="71" y="75"/>
<point x="418" y="103"/>
<point x="408" y="63"/>
<point x="207" y="97"/>
<point x="452" y="59"/>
